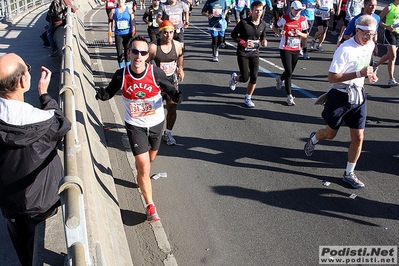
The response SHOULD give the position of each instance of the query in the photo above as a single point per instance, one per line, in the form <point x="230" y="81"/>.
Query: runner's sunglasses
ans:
<point x="136" y="52"/>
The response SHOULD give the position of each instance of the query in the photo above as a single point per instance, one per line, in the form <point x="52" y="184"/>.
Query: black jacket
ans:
<point x="30" y="168"/>
<point x="246" y="30"/>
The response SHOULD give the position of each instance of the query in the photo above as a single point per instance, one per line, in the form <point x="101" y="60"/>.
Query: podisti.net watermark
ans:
<point x="381" y="255"/>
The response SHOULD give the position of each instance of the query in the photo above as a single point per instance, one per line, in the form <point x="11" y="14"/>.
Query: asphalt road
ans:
<point x="240" y="190"/>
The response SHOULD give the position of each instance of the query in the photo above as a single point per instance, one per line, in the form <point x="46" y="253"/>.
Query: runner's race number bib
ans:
<point x="324" y="14"/>
<point x="122" y="25"/>
<point x="140" y="108"/>
<point x="168" y="67"/>
<point x="255" y="44"/>
<point x="175" y="19"/>
<point x="280" y="4"/>
<point x="293" y="42"/>
<point x="217" y="12"/>
<point x="396" y="25"/>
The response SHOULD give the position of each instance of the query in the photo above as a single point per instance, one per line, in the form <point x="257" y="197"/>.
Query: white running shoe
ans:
<point x="290" y="100"/>
<point x="352" y="180"/>
<point x="392" y="83"/>
<point x="249" y="102"/>
<point x="233" y="81"/>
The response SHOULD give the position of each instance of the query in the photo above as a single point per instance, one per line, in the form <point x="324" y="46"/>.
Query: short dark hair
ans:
<point x="10" y="83"/>
<point x="138" y="38"/>
<point x="256" y="4"/>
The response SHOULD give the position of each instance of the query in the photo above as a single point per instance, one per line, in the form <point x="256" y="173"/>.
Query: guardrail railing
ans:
<point x="71" y="187"/>
<point x="11" y="8"/>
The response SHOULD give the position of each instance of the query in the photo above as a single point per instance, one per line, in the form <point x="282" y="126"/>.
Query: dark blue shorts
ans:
<point x="338" y="110"/>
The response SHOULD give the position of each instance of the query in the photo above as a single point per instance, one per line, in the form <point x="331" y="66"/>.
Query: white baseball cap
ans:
<point x="297" y="5"/>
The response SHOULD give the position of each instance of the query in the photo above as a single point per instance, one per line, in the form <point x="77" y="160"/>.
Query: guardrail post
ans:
<point x="73" y="212"/>
<point x="18" y="9"/>
<point x="8" y="12"/>
<point x="3" y="11"/>
<point x="77" y="250"/>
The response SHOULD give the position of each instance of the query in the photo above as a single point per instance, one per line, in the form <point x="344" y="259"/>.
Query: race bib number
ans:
<point x="241" y="3"/>
<point x="140" y="108"/>
<point x="175" y="19"/>
<point x="280" y="5"/>
<point x="168" y="67"/>
<point x="217" y="12"/>
<point x="293" y="42"/>
<point x="110" y="5"/>
<point x="255" y="45"/>
<point x="396" y="25"/>
<point x="311" y="6"/>
<point x="324" y="14"/>
<point x="122" y="25"/>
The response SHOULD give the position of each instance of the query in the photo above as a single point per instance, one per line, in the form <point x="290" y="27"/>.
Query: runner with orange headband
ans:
<point x="167" y="54"/>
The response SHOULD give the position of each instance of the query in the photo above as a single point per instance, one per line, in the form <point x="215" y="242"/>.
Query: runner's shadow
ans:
<point x="320" y="201"/>
<point x="132" y="218"/>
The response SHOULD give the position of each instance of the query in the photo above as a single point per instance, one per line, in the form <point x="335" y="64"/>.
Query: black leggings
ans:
<point x="216" y="42"/>
<point x="289" y="60"/>
<point x="153" y="33"/>
<point x="249" y="67"/>
<point x="277" y="13"/>
<point x="121" y="42"/>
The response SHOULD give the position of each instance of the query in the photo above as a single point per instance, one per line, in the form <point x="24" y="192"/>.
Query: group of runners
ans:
<point x="145" y="86"/>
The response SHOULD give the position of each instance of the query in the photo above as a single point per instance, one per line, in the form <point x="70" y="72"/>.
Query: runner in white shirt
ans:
<point x="325" y="8"/>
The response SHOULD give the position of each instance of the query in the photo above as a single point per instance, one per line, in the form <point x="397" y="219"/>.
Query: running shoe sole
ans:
<point x="353" y="185"/>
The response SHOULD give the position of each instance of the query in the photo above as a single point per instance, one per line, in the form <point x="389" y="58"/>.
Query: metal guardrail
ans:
<point x="11" y="8"/>
<point x="71" y="187"/>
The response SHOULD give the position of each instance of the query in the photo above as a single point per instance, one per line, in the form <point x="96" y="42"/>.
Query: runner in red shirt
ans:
<point x="291" y="27"/>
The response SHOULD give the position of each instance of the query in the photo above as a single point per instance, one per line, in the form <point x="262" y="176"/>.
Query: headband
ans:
<point x="365" y="27"/>
<point x="166" y="27"/>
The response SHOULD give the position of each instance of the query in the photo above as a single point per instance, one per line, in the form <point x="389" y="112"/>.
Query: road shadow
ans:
<point x="320" y="201"/>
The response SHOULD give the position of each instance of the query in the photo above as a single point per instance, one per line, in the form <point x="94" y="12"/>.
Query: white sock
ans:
<point x="149" y="204"/>
<point x="168" y="131"/>
<point x="247" y="96"/>
<point x="350" y="168"/>
<point x="314" y="140"/>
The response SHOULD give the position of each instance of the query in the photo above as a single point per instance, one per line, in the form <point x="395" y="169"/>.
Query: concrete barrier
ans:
<point x="107" y="240"/>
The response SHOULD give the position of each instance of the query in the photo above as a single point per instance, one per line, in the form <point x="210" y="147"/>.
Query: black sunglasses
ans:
<point x="136" y="52"/>
<point x="29" y="67"/>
